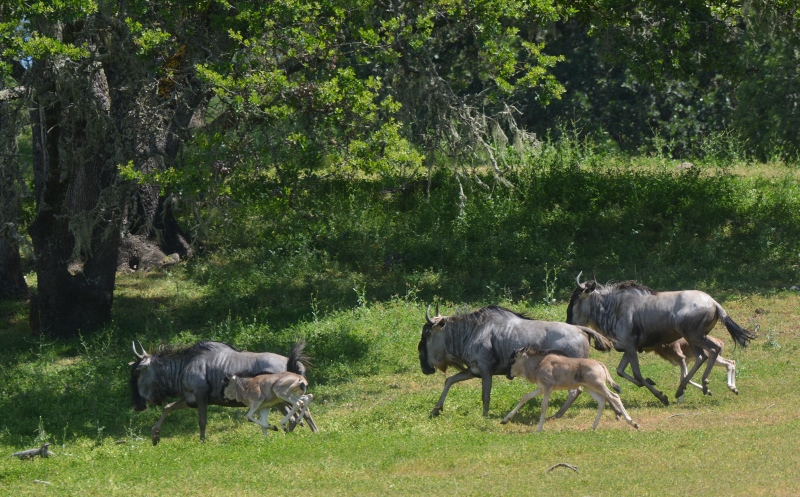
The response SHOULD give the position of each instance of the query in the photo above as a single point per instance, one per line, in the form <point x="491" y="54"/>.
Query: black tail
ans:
<point x="601" y="343"/>
<point x="298" y="362"/>
<point x="739" y="334"/>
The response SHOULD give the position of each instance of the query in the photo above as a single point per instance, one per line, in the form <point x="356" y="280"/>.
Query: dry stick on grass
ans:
<point x="570" y="466"/>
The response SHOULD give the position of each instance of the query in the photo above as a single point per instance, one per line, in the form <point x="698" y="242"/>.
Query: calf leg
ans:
<point x="525" y="398"/>
<point x="614" y="400"/>
<point x="545" y="400"/>
<point x="601" y="404"/>
<point x="573" y="394"/>
<point x="156" y="431"/>
<point x="731" y="367"/>
<point x="463" y="375"/>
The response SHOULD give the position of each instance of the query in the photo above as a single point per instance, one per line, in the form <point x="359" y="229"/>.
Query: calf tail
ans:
<point x="298" y="362"/>
<point x="610" y="380"/>
<point x="739" y="334"/>
<point x="601" y="343"/>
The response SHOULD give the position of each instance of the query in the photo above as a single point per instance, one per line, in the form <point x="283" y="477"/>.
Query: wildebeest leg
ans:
<point x="699" y="346"/>
<point x="463" y="375"/>
<point x="623" y="364"/>
<point x="633" y="358"/>
<point x="573" y="394"/>
<point x="156" y="431"/>
<point x="486" y="390"/>
<point x="545" y="400"/>
<point x="684" y="372"/>
<point x="525" y="398"/>
<point x="202" y="412"/>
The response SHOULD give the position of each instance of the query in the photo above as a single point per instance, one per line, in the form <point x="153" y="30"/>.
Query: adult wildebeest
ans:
<point x="195" y="374"/>
<point x="552" y="371"/>
<point x="260" y="392"/>
<point x="480" y="345"/>
<point x="635" y="317"/>
<point x="679" y="351"/>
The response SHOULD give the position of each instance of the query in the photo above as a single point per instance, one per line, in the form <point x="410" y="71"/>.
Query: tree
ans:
<point x="12" y="281"/>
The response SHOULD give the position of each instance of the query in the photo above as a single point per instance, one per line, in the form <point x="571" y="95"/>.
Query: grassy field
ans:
<point x="351" y="269"/>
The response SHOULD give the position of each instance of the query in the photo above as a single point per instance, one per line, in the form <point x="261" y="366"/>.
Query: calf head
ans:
<point x="229" y="387"/>
<point x="514" y="364"/>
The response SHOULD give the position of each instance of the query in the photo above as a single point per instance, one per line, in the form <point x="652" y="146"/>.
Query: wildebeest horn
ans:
<point x="578" y="279"/>
<point x="437" y="310"/>
<point x="428" y="314"/>
<point x="136" y="353"/>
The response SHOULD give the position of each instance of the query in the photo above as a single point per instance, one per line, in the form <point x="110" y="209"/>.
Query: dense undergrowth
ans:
<point x="349" y="265"/>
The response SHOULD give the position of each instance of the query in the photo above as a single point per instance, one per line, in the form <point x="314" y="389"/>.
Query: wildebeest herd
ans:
<point x="626" y="316"/>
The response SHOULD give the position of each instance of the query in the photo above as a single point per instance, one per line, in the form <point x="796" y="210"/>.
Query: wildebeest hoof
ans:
<point x="435" y="412"/>
<point x="650" y="382"/>
<point x="155" y="438"/>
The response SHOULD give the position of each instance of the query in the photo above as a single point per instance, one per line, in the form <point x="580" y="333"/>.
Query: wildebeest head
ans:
<point x="431" y="345"/>
<point x="144" y="384"/>
<point x="579" y="305"/>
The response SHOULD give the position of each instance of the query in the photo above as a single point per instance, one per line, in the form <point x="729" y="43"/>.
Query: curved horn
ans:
<point x="135" y="352"/>
<point x="428" y="314"/>
<point x="578" y="280"/>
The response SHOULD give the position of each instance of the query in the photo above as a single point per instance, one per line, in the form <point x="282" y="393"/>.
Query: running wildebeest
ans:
<point x="260" y="392"/>
<point x="480" y="345"/>
<point x="679" y="351"/>
<point x="635" y="317"/>
<point x="195" y="374"/>
<point x="550" y="371"/>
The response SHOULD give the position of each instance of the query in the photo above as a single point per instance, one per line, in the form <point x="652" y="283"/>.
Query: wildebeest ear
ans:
<point x="590" y="286"/>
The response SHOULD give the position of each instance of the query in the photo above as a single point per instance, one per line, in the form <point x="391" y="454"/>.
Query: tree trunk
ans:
<point x="12" y="282"/>
<point x="76" y="230"/>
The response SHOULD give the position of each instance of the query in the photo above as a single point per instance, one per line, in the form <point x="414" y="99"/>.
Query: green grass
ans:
<point x="376" y="437"/>
<point x="351" y="268"/>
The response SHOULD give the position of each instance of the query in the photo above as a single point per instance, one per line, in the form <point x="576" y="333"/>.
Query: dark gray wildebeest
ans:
<point x="635" y="318"/>
<point x="194" y="374"/>
<point x="480" y="345"/>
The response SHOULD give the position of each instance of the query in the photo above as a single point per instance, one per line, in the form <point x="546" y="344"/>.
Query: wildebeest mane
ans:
<point x="179" y="351"/>
<point x="483" y="313"/>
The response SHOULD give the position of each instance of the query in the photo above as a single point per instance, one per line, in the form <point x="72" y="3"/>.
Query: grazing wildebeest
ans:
<point x="260" y="392"/>
<point x="195" y="374"/>
<point x="635" y="317"/>
<point x="679" y="351"/>
<point x="480" y="345"/>
<point x="550" y="371"/>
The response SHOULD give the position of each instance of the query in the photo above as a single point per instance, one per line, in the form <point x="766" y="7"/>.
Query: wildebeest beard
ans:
<point x="423" y="353"/>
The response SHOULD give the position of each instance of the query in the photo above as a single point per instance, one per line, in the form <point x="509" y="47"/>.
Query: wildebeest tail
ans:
<point x="298" y="362"/>
<point x="601" y="343"/>
<point x="739" y="334"/>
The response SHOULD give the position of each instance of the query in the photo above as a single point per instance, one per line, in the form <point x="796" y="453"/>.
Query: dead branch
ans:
<point x="570" y="466"/>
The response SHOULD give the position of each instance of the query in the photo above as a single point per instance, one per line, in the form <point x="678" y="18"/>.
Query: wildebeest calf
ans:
<point x="552" y="371"/>
<point x="260" y="392"/>
<point x="679" y="351"/>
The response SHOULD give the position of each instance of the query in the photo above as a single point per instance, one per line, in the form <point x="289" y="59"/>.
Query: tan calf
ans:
<point x="265" y="390"/>
<point x="552" y="371"/>
<point x="679" y="351"/>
